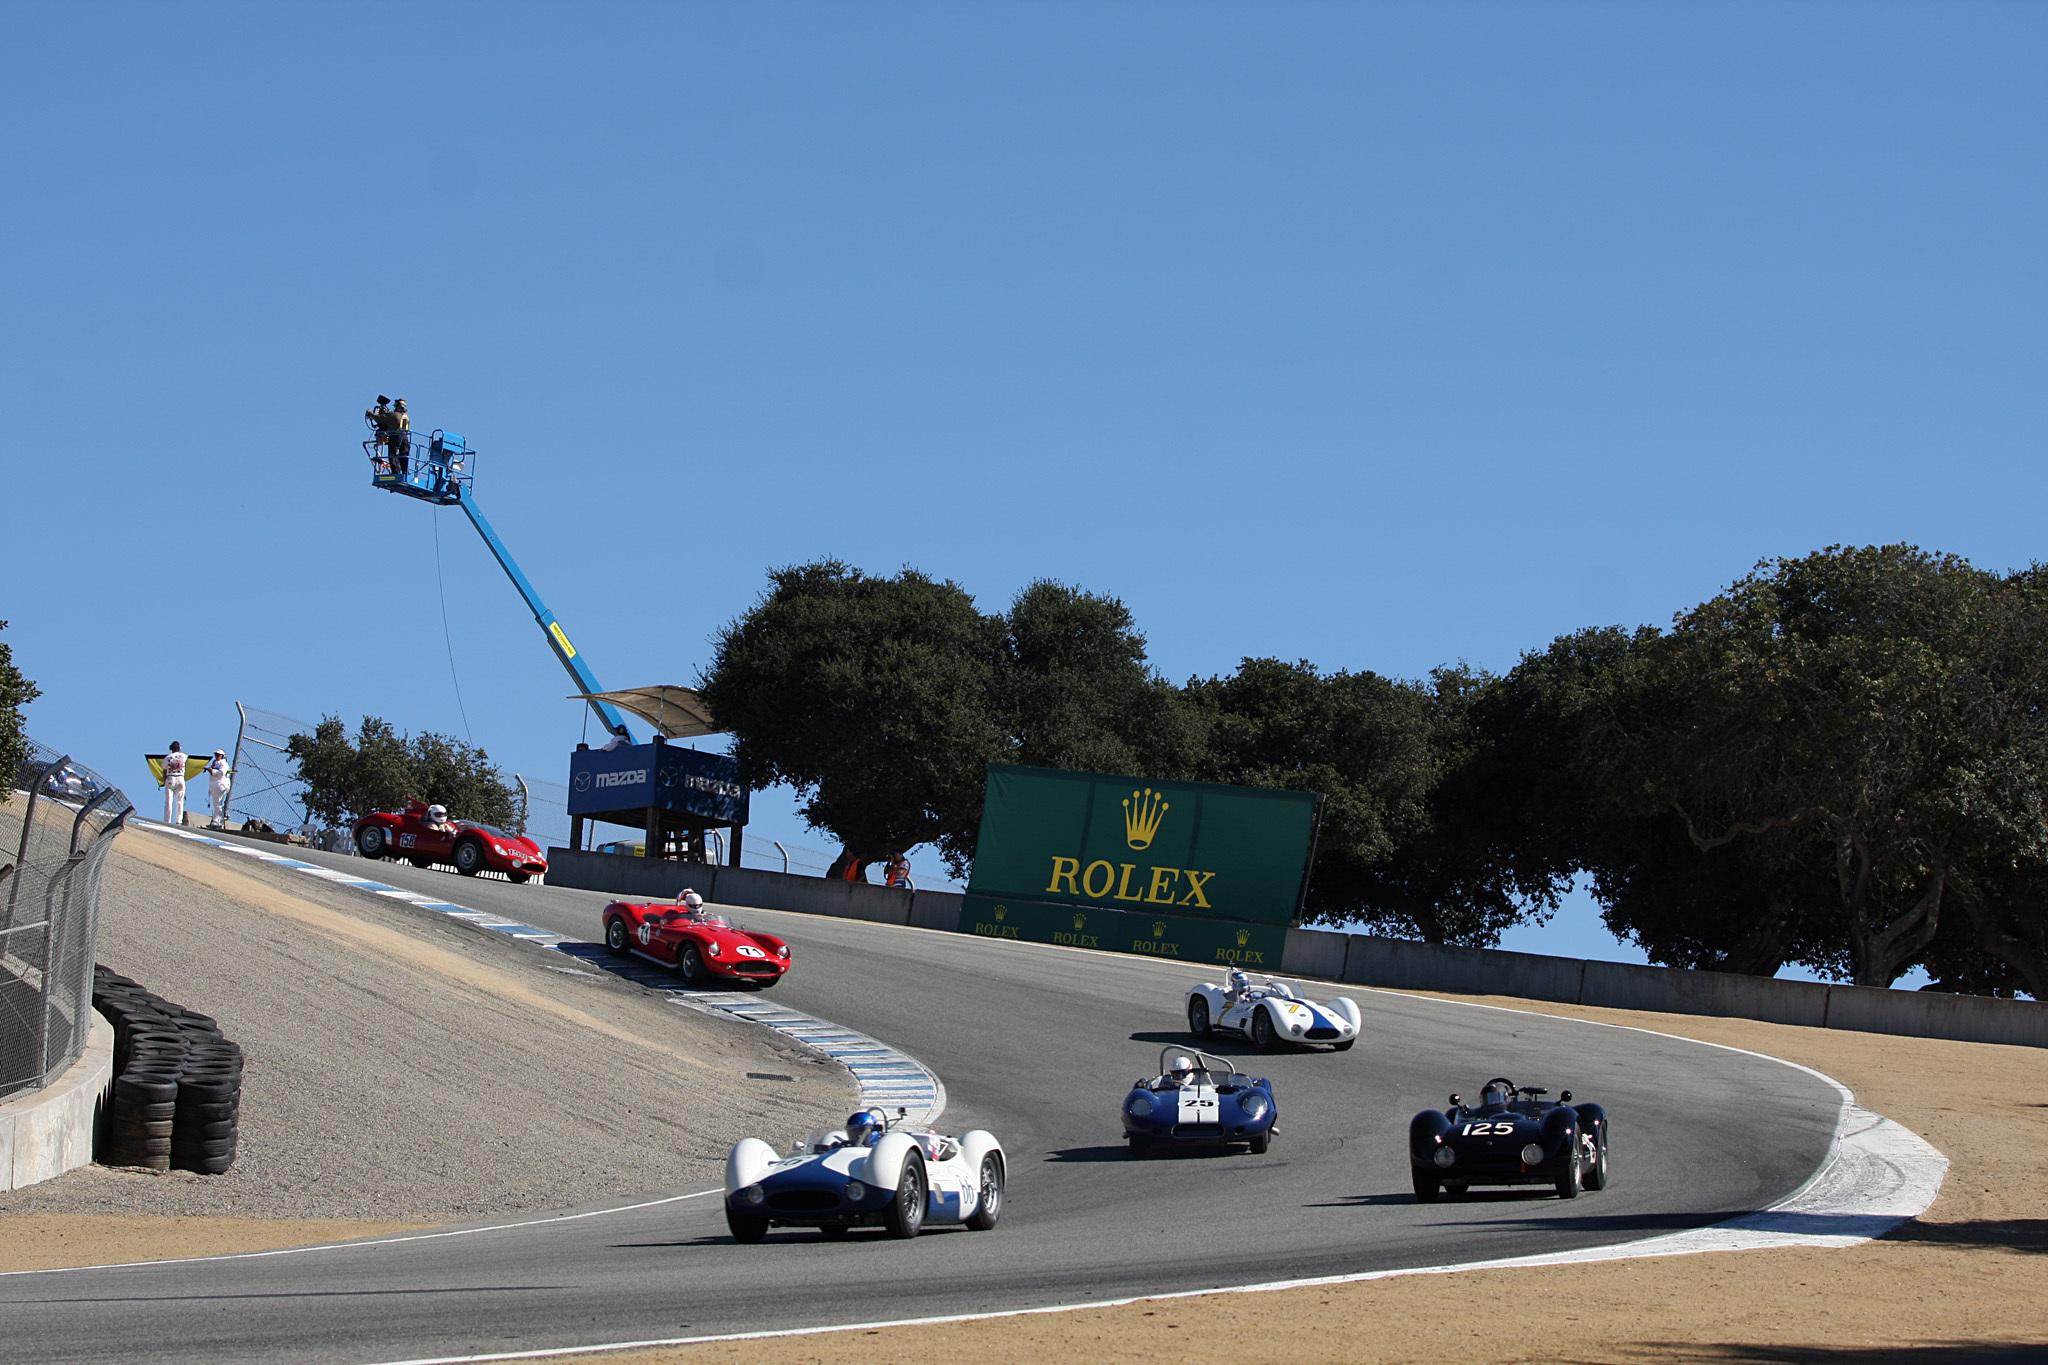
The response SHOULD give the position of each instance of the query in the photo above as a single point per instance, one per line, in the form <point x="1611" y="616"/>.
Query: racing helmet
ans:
<point x="437" y="814"/>
<point x="863" y="1126"/>
<point x="1182" y="1069"/>
<point x="691" y="899"/>
<point x="1239" y="981"/>
<point x="1493" y="1098"/>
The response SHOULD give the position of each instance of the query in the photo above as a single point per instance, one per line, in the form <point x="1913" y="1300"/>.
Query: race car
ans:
<point x="702" y="945"/>
<point x="1270" y="1014"/>
<point x="1198" y="1101"/>
<point x="424" y="835"/>
<point x="1514" y="1137"/>
<point x="871" y="1173"/>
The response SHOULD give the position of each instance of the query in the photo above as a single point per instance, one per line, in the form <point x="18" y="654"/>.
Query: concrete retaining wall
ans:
<point x="49" y="1131"/>
<point x="1390" y="963"/>
<point x="621" y="875"/>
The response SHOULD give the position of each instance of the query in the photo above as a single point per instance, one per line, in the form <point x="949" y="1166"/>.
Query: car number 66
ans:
<point x="1487" y="1130"/>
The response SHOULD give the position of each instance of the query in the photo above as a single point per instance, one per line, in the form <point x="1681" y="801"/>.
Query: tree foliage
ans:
<point x="381" y="769"/>
<point x="871" y="696"/>
<point x="1840" y="762"/>
<point x="15" y="693"/>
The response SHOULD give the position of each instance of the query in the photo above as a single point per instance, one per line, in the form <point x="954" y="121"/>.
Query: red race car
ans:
<point x="702" y="945"/>
<point x="417" y="836"/>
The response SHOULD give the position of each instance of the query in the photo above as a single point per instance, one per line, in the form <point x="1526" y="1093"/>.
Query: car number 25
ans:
<point x="1488" y="1129"/>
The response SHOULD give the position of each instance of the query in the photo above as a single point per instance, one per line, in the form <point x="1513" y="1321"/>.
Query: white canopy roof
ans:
<point x="674" y="712"/>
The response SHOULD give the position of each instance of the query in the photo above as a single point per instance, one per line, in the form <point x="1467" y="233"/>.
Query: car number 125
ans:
<point x="1488" y="1129"/>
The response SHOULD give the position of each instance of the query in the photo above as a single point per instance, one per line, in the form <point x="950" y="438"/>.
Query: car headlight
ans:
<point x="1532" y="1154"/>
<point x="1255" y="1107"/>
<point x="1445" y="1157"/>
<point x="855" y="1191"/>
<point x="1140" y="1105"/>
<point x="753" y="1194"/>
<point x="713" y="950"/>
<point x="783" y="950"/>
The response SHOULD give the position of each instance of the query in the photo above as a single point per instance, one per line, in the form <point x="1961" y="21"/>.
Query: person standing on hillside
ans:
<point x="218" y="780"/>
<point x="174" y="785"/>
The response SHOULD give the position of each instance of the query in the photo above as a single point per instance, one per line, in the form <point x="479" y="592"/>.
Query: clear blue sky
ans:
<point x="1376" y="335"/>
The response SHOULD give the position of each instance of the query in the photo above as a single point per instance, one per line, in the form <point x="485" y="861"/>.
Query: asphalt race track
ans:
<point x="1038" y="1045"/>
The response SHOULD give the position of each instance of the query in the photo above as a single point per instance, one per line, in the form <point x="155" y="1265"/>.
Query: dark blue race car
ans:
<point x="1514" y="1137"/>
<point x="1198" y="1100"/>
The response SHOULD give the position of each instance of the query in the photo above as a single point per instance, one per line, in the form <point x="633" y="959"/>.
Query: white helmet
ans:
<point x="691" y="899"/>
<point x="1182" y="1068"/>
<point x="437" y="813"/>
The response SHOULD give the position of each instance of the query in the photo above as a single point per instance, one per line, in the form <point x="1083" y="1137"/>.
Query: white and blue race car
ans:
<point x="870" y="1173"/>
<point x="1271" y="1014"/>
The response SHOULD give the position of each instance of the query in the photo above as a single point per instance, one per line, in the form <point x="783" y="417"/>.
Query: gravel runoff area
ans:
<point x="403" y="1069"/>
<point x="1966" y="1282"/>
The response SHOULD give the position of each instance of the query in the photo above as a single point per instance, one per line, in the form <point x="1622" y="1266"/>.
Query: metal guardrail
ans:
<point x="58" y="819"/>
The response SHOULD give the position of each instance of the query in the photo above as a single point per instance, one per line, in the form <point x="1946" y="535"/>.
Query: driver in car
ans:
<point x="864" y="1129"/>
<point x="1236" y="986"/>
<point x="1181" y="1073"/>
<point x="437" y="819"/>
<point x="1493" y="1100"/>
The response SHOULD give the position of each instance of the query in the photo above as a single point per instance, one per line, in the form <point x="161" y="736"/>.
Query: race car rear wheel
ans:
<point x="1263" y="1032"/>
<point x="469" y="857"/>
<point x="371" y="841"/>
<point x="1261" y="1141"/>
<point x="905" y="1217"/>
<point x="1425" y="1187"/>
<point x="1569" y="1181"/>
<point x="615" y="937"/>
<point x="1198" y="1017"/>
<point x="745" y="1229"/>
<point x="690" y="964"/>
<point x="991" y="1206"/>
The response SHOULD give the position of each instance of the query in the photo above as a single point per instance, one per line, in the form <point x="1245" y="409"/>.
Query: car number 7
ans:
<point x="1487" y="1130"/>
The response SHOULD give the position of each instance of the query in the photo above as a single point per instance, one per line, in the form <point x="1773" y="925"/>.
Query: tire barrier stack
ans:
<point x="177" y="1082"/>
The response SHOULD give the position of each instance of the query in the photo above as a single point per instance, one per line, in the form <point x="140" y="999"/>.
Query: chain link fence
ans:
<point x="58" y="821"/>
<point x="266" y="783"/>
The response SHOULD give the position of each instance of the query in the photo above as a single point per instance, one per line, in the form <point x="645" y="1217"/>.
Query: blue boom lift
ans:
<point x="438" y="468"/>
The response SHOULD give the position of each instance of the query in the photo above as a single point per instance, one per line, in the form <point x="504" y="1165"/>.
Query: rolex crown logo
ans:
<point x="1080" y="920"/>
<point x="1002" y="911"/>
<point x="1159" y="928"/>
<point x="1142" y="814"/>
<point x="1244" y="936"/>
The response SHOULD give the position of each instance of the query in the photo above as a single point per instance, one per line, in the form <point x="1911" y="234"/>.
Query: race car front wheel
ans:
<point x="1261" y="1141"/>
<point x="615" y="937"/>
<point x="1596" y="1176"/>
<point x="1425" y="1187"/>
<point x="690" y="964"/>
<point x="745" y="1229"/>
<point x="1569" y="1181"/>
<point x="370" y="841"/>
<point x="1262" y="1030"/>
<point x="906" y="1211"/>
<point x="469" y="857"/>
<point x="1198" y="1016"/>
<point x="991" y="1206"/>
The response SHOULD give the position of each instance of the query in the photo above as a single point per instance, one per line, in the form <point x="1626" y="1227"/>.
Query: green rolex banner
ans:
<point x="1174" y="849"/>
<point x="1255" y="946"/>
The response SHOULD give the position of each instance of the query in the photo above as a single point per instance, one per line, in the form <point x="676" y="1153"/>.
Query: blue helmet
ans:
<point x="863" y="1126"/>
